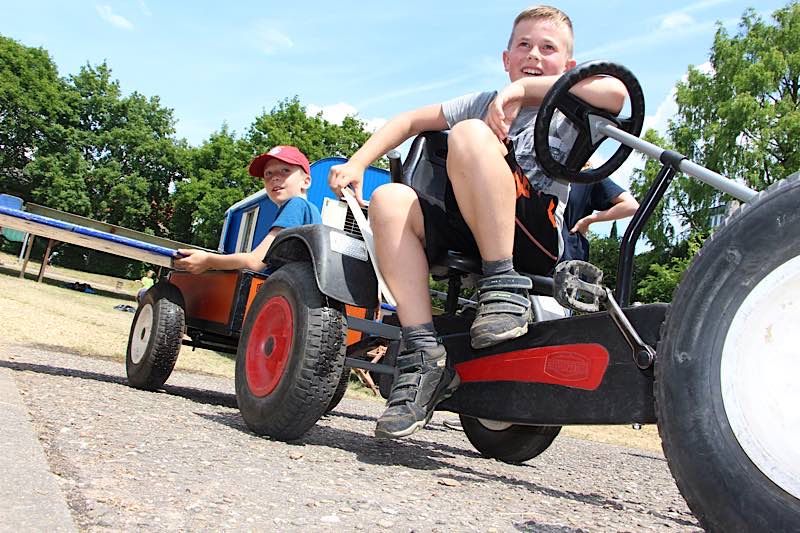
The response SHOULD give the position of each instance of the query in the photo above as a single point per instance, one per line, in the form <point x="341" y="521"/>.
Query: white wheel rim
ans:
<point x="494" y="425"/>
<point x="759" y="372"/>
<point x="142" y="330"/>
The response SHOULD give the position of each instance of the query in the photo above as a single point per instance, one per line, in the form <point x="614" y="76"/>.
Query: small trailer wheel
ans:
<point x="510" y="443"/>
<point x="155" y="337"/>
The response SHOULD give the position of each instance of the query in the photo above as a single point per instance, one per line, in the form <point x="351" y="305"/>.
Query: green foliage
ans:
<point x="288" y="123"/>
<point x="661" y="280"/>
<point x="34" y="112"/>
<point x="742" y="119"/>
<point x="216" y="178"/>
<point x="604" y="254"/>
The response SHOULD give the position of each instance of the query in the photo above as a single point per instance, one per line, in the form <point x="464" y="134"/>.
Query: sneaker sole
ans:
<point x="416" y="426"/>
<point x="488" y="339"/>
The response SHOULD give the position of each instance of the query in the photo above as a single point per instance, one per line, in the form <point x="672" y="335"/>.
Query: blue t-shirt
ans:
<point x="296" y="211"/>
<point x="583" y="201"/>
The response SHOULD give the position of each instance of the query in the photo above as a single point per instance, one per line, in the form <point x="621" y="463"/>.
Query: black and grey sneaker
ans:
<point x="504" y="309"/>
<point x="423" y="383"/>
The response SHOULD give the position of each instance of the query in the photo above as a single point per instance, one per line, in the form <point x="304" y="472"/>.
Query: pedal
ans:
<point x="577" y="285"/>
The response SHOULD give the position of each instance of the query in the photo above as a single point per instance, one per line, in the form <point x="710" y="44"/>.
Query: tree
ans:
<point x="217" y="178"/>
<point x="604" y="254"/>
<point x="660" y="282"/>
<point x="129" y="156"/>
<point x="34" y="112"/>
<point x="742" y="118"/>
<point x="288" y="123"/>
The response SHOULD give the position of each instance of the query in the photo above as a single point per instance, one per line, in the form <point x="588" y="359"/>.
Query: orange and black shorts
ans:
<point x="535" y="236"/>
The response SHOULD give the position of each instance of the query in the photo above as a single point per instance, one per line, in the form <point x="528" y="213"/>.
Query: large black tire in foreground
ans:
<point x="510" y="443"/>
<point x="727" y="399"/>
<point x="155" y="337"/>
<point x="290" y="356"/>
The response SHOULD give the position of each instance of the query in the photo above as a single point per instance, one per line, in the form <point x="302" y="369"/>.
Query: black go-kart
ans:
<point x="715" y="369"/>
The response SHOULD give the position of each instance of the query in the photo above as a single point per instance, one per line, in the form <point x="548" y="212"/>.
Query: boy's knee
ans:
<point x="390" y="200"/>
<point x="470" y="133"/>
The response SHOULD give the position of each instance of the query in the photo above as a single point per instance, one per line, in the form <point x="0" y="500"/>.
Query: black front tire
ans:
<point x="155" y="338"/>
<point x="508" y="443"/>
<point x="341" y="388"/>
<point x="290" y="356"/>
<point x="724" y="389"/>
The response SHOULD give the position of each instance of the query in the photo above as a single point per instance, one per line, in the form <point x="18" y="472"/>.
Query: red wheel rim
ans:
<point x="268" y="346"/>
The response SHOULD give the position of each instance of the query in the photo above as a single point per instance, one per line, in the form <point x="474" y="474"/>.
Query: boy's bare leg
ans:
<point x="396" y="220"/>
<point x="485" y="190"/>
<point x="484" y="187"/>
<point x="424" y="381"/>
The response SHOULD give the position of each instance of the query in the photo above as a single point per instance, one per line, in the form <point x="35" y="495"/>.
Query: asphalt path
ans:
<point x="85" y="451"/>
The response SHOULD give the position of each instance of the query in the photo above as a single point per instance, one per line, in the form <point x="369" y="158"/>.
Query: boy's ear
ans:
<point x="570" y="64"/>
<point x="306" y="182"/>
<point x="506" y="60"/>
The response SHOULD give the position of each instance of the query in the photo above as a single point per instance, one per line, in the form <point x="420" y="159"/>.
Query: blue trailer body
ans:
<point x="248" y="221"/>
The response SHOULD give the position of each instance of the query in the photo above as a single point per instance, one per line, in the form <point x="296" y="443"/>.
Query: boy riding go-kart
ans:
<point x="713" y="369"/>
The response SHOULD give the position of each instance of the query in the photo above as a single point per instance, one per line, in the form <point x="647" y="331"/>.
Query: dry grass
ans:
<point x="87" y="324"/>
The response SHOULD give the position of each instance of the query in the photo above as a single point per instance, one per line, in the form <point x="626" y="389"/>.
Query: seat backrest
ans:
<point x="425" y="167"/>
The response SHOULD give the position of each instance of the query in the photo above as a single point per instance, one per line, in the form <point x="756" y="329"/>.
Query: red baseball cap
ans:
<point x="287" y="154"/>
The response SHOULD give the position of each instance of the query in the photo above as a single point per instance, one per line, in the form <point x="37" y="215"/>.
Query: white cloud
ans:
<point x="374" y="124"/>
<point x="108" y="15"/>
<point x="269" y="39"/>
<point x="676" y="20"/>
<point x="664" y="112"/>
<point x="336" y="113"/>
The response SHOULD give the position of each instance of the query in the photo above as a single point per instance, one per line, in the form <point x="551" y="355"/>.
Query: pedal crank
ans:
<point x="578" y="286"/>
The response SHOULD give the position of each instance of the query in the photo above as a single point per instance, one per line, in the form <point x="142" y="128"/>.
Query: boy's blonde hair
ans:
<point x="548" y="13"/>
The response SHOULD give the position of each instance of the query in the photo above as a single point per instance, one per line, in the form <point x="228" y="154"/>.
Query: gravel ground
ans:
<point x="182" y="459"/>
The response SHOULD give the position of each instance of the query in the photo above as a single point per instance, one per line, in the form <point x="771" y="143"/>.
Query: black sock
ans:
<point x="503" y="266"/>
<point x="419" y="336"/>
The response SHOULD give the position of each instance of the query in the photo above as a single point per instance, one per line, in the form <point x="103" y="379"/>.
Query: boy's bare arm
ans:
<point x="600" y="91"/>
<point x="391" y="135"/>
<point x="624" y="205"/>
<point x="198" y="261"/>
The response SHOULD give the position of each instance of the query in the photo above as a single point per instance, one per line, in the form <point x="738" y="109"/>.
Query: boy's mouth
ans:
<point x="532" y="71"/>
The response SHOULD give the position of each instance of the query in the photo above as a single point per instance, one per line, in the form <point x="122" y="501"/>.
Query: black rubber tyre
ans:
<point x="513" y="444"/>
<point x="733" y="474"/>
<point x="341" y="388"/>
<point x="290" y="356"/>
<point x="155" y="337"/>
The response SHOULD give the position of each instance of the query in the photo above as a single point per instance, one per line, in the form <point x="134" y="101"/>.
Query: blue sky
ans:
<point x="215" y="62"/>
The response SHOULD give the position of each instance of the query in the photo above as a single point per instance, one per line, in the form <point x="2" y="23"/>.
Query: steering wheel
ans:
<point x="586" y="119"/>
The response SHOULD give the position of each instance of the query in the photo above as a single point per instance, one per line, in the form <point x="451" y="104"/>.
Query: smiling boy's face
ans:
<point x="539" y="47"/>
<point x="284" y="181"/>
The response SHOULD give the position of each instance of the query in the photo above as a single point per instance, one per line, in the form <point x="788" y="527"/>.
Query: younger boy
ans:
<point x="510" y="221"/>
<point x="287" y="176"/>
